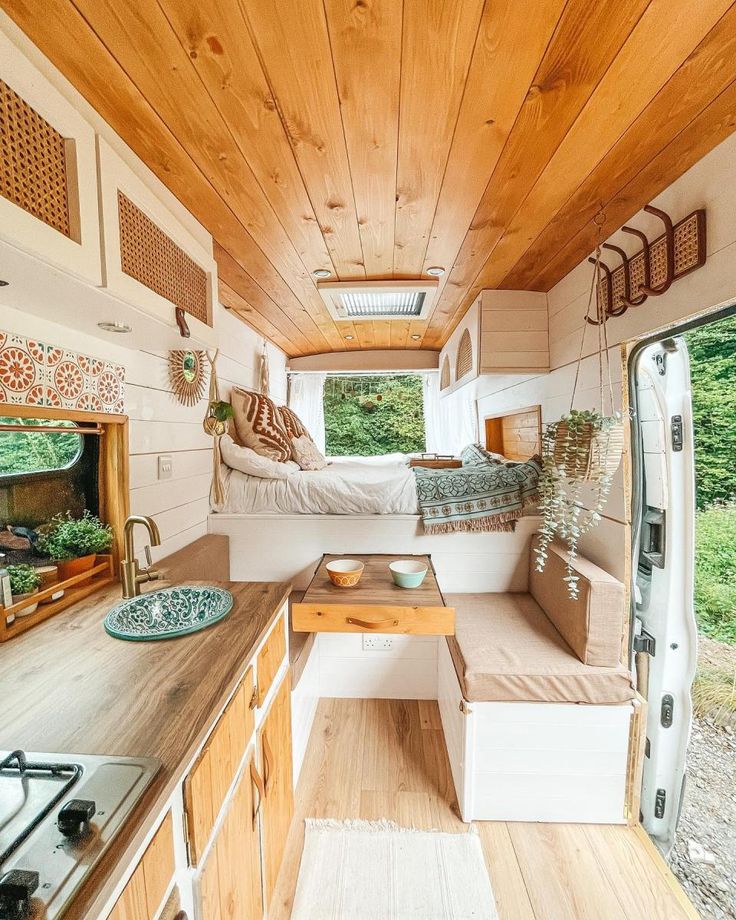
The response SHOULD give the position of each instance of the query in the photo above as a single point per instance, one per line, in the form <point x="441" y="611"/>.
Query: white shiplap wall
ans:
<point x="159" y="424"/>
<point x="709" y="184"/>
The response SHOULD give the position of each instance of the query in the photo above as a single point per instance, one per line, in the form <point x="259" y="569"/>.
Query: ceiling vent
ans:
<point x="378" y="300"/>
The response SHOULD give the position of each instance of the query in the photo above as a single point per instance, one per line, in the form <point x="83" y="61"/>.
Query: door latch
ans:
<point x="660" y="800"/>
<point x="676" y="431"/>
<point x="667" y="710"/>
<point x="643" y="642"/>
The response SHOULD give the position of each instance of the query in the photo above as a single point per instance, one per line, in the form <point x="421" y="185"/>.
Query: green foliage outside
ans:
<point x="712" y="351"/>
<point x="713" y="371"/>
<point x="369" y="416"/>
<point x="31" y="452"/>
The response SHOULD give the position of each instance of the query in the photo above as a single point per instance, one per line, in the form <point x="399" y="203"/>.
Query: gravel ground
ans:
<point x="704" y="857"/>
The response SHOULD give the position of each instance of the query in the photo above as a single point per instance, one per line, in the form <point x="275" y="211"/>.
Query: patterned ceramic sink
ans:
<point x="168" y="613"/>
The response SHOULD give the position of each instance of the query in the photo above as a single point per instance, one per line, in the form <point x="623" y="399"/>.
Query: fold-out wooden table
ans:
<point x="375" y="604"/>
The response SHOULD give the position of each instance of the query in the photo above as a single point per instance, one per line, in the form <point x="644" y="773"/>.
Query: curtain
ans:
<point x="306" y="392"/>
<point x="449" y="421"/>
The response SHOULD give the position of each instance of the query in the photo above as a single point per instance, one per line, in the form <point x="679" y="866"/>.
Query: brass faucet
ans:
<point x="131" y="575"/>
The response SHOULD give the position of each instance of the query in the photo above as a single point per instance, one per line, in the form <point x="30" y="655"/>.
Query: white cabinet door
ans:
<point x="150" y="259"/>
<point x="48" y="195"/>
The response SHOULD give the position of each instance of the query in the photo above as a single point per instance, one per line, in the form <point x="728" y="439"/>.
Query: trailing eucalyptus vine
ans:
<point x="566" y="449"/>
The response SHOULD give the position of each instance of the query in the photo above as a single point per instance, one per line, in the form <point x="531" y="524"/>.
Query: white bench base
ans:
<point x="550" y="762"/>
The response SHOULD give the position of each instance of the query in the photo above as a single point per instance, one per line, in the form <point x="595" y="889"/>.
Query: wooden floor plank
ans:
<point x="383" y="759"/>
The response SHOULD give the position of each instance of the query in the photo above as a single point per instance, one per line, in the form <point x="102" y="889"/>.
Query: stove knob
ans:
<point x="16" y="889"/>
<point x="74" y="817"/>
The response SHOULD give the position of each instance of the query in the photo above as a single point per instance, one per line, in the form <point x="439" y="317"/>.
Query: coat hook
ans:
<point x="619" y="311"/>
<point x="182" y="323"/>
<point x="642" y="237"/>
<point x="609" y="289"/>
<point x="669" y="242"/>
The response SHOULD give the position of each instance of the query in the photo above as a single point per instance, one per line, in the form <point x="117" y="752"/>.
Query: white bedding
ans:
<point x="349" y="485"/>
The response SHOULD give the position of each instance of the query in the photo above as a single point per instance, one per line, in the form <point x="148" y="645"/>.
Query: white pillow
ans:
<point x="248" y="461"/>
<point x="307" y="454"/>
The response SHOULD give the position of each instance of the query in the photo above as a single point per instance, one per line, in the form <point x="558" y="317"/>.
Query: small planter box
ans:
<point x="75" y="588"/>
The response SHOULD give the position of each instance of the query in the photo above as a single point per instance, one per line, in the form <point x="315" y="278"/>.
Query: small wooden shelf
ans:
<point x="75" y="589"/>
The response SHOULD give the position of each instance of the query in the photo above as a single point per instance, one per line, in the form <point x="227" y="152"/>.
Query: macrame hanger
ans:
<point x="600" y="322"/>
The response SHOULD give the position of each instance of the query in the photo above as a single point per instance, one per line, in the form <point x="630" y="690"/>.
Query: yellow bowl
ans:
<point x="345" y="573"/>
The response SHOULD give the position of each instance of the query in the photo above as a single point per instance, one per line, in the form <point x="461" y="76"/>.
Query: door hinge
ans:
<point x="667" y="710"/>
<point x="464" y="708"/>
<point x="644" y="642"/>
<point x="660" y="800"/>
<point x="676" y="431"/>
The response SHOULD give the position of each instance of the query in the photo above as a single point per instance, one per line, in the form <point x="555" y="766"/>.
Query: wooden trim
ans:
<point x="114" y="483"/>
<point x="635" y="765"/>
<point x="498" y="441"/>
<point x="68" y="415"/>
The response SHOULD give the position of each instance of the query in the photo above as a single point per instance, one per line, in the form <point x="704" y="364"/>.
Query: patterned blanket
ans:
<point x="483" y="495"/>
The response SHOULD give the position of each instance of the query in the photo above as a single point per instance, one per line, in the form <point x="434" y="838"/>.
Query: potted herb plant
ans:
<point x="24" y="582"/>
<point x="73" y="543"/>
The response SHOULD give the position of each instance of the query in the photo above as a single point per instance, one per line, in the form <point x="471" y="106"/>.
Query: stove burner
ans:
<point x="24" y="771"/>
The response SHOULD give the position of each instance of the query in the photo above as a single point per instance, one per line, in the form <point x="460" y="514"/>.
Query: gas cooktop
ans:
<point x="58" y="815"/>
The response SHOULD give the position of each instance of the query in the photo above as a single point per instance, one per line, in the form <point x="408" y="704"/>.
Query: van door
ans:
<point x="665" y="633"/>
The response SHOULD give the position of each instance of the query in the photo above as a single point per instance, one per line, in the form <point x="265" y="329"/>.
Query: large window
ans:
<point x="33" y="451"/>
<point x="372" y="415"/>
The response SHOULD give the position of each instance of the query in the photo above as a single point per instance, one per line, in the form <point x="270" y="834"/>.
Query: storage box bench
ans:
<point x="536" y="707"/>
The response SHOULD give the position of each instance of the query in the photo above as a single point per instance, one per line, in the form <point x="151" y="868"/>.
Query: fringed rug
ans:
<point x="376" y="870"/>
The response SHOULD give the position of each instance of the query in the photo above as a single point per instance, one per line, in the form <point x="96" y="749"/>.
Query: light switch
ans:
<point x="165" y="466"/>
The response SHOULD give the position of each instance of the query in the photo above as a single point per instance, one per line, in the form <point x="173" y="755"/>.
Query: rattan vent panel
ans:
<point x="445" y="374"/>
<point x="464" y="360"/>
<point x="33" y="156"/>
<point x="153" y="258"/>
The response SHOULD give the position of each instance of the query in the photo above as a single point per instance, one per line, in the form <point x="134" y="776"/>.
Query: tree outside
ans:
<point x="369" y="416"/>
<point x="33" y="451"/>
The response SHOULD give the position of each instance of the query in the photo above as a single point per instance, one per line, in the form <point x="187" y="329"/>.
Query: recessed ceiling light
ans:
<point x="436" y="271"/>
<point x="321" y="273"/>
<point x="114" y="327"/>
<point x="349" y="338"/>
<point x="416" y="337"/>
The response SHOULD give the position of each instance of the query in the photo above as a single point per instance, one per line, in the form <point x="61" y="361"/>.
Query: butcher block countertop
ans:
<point x="68" y="687"/>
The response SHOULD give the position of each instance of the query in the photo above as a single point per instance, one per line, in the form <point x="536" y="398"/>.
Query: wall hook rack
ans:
<point x="656" y="266"/>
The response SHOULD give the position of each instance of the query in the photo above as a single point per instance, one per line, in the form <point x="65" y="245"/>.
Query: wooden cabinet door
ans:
<point x="278" y="806"/>
<point x="230" y="882"/>
<point x="142" y="897"/>
<point x="206" y="787"/>
<point x="270" y="657"/>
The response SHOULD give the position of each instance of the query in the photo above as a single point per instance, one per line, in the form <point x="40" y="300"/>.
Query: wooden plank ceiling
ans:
<point x="377" y="138"/>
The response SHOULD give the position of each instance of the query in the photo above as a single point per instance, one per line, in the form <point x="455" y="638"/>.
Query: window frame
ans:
<point x="7" y="479"/>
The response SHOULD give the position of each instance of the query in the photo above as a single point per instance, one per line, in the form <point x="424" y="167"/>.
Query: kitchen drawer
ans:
<point x="270" y="657"/>
<point x="206" y="787"/>
<point x="417" y="621"/>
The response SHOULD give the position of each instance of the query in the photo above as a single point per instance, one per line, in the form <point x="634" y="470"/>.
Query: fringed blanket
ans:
<point x="482" y="496"/>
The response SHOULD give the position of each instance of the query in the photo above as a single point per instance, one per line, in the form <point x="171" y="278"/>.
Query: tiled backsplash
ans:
<point x="35" y="374"/>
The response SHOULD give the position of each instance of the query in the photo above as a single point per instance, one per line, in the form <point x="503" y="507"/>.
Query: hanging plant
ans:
<point x="580" y="455"/>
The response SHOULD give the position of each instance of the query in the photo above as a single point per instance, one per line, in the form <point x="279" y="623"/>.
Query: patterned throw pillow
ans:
<point x="307" y="454"/>
<point x="259" y="425"/>
<point x="293" y="424"/>
<point x="473" y="453"/>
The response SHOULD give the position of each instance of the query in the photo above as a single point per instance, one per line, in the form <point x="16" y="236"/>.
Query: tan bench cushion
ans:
<point x="593" y="624"/>
<point x="505" y="649"/>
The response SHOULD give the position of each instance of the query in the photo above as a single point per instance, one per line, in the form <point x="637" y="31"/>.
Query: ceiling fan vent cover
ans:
<point x="378" y="300"/>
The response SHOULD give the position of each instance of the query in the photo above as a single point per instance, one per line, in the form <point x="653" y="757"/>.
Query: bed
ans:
<point x="349" y="485"/>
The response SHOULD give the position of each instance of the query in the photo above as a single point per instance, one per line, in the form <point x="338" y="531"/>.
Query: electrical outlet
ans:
<point x="165" y="467"/>
<point x="374" y="643"/>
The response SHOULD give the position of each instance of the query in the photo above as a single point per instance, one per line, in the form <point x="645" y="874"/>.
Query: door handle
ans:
<point x="267" y="764"/>
<point x="255" y="778"/>
<point x="371" y="624"/>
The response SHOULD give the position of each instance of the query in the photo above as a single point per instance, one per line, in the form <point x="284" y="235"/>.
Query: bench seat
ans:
<point x="506" y="649"/>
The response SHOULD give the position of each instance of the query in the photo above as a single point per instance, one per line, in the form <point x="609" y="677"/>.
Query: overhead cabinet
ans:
<point x="48" y="177"/>
<point x="504" y="332"/>
<point x="149" y="258"/>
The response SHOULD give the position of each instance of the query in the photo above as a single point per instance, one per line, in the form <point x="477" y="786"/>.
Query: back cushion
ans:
<point x="593" y="624"/>
<point x="294" y="425"/>
<point x="259" y="425"/>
